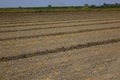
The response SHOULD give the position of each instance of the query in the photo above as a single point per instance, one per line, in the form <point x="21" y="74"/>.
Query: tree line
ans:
<point x="105" y="5"/>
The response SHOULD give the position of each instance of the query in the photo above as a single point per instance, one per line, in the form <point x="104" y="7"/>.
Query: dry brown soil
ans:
<point x="60" y="46"/>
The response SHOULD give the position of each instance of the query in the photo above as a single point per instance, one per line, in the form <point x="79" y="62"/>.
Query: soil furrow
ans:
<point x="62" y="33"/>
<point x="48" y="23"/>
<point x="40" y="28"/>
<point x="63" y="21"/>
<point x="62" y="49"/>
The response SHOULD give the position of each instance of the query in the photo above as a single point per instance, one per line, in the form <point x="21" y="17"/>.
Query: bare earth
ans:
<point x="60" y="46"/>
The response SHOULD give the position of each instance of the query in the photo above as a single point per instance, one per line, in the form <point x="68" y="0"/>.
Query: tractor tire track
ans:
<point x="60" y="33"/>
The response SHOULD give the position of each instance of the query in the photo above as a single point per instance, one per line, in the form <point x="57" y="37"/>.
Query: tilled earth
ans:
<point x="60" y="46"/>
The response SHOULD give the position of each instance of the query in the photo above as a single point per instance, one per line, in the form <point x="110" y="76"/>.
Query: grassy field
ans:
<point x="56" y="9"/>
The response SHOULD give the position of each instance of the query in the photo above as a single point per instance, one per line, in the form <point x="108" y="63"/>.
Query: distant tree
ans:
<point x="49" y="6"/>
<point x="104" y="4"/>
<point x="86" y="6"/>
<point x="19" y="7"/>
<point x="93" y="6"/>
<point x="117" y="4"/>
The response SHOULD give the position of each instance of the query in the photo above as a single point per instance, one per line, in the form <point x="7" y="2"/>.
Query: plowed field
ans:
<point x="60" y="46"/>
